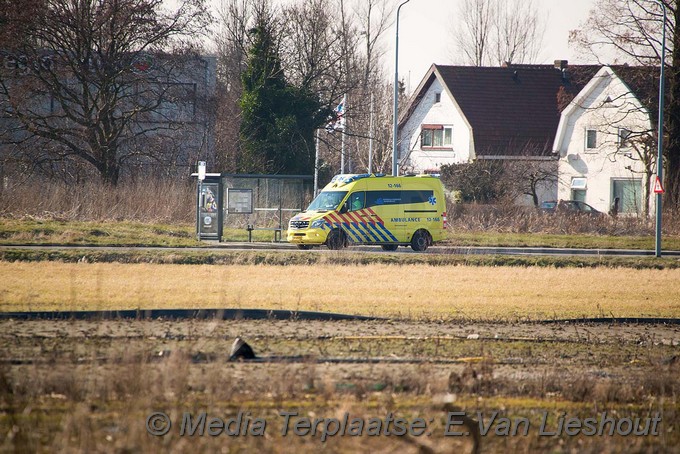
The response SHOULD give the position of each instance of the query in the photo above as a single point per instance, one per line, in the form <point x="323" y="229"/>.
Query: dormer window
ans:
<point x="437" y="97"/>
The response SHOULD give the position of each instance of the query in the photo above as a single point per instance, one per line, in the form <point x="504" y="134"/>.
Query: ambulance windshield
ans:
<point x="327" y="200"/>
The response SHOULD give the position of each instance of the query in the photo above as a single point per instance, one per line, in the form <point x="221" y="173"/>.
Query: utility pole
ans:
<point x="659" y="157"/>
<point x="395" y="152"/>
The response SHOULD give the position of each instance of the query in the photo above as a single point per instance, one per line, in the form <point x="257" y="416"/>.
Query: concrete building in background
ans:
<point x="169" y="100"/>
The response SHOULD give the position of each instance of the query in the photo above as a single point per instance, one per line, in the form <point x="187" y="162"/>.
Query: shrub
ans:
<point x="151" y="200"/>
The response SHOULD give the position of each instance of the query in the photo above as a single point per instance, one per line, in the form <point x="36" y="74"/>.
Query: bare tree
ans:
<point x="631" y="31"/>
<point x="16" y="19"/>
<point x="329" y="47"/>
<point x="472" y="37"/>
<point x="642" y="148"/>
<point x="492" y="180"/>
<point x="381" y="133"/>
<point x="371" y="94"/>
<point x="335" y="48"/>
<point x="232" y="40"/>
<point x="518" y="31"/>
<point x="92" y="81"/>
<point x="624" y="138"/>
<point x="498" y="31"/>
<point x="373" y="18"/>
<point x="312" y="51"/>
<point x="530" y="177"/>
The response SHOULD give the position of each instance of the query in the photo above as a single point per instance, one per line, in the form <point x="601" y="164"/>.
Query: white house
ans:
<point x="459" y="114"/>
<point x="605" y="144"/>
<point x="436" y="131"/>
<point x="590" y="123"/>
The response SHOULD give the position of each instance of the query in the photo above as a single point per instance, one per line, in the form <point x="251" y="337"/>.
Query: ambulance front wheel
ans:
<point x="420" y="241"/>
<point x="336" y="240"/>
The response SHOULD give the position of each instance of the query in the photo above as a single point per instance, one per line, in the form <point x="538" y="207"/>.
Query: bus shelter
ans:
<point x="250" y="202"/>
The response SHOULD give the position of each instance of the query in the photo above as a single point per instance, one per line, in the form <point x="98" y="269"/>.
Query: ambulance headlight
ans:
<point x="318" y="223"/>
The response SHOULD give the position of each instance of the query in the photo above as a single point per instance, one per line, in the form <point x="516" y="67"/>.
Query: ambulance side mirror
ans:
<point x="345" y="207"/>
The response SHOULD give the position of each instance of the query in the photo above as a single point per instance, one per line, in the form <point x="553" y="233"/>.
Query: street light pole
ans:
<point x="659" y="157"/>
<point x="395" y="152"/>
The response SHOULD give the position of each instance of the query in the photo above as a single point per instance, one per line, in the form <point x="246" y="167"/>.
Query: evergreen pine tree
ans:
<point x="278" y="119"/>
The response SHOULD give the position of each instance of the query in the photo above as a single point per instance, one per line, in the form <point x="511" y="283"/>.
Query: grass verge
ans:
<point x="123" y="233"/>
<point x="586" y="241"/>
<point x="109" y="233"/>
<point x="128" y="233"/>
<point x="347" y="258"/>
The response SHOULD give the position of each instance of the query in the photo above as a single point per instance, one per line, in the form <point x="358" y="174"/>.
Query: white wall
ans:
<point x="608" y="161"/>
<point x="444" y="112"/>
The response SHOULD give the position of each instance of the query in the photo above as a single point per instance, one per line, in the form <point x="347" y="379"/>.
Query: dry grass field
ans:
<point x="89" y="386"/>
<point x="472" y="336"/>
<point x="483" y="338"/>
<point x="402" y="291"/>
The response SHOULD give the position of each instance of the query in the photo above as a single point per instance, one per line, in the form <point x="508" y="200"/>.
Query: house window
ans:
<point x="591" y="139"/>
<point x="578" y="195"/>
<point x="624" y="138"/>
<point x="426" y="138"/>
<point x="579" y="183"/>
<point x="629" y="193"/>
<point x="437" y="97"/>
<point x="578" y="189"/>
<point x="436" y="136"/>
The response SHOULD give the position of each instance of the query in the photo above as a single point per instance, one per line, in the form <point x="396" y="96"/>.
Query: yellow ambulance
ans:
<point x="373" y="209"/>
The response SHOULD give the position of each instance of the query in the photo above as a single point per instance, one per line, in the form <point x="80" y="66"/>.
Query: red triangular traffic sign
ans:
<point x="658" y="188"/>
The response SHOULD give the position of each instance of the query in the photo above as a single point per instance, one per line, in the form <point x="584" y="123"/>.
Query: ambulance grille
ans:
<point x="299" y="224"/>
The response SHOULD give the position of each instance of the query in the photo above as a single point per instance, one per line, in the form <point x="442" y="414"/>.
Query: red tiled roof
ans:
<point x="643" y="81"/>
<point x="513" y="110"/>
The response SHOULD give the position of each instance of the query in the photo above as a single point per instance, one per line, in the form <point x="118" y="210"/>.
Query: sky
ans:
<point x="425" y="34"/>
<point x="425" y="31"/>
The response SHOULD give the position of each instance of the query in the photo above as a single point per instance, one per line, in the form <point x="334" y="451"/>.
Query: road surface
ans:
<point x="442" y="249"/>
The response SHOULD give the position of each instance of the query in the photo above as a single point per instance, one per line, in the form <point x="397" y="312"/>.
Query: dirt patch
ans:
<point x="91" y="385"/>
<point x="371" y="330"/>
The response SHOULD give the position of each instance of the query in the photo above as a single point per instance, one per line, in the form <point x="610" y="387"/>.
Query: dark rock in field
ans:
<point x="240" y="350"/>
<point x="201" y="357"/>
<point x="672" y="361"/>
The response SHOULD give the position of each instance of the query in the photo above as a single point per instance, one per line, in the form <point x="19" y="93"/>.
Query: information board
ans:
<point x="239" y="201"/>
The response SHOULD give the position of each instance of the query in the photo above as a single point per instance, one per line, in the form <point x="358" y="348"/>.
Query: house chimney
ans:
<point x="561" y="64"/>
